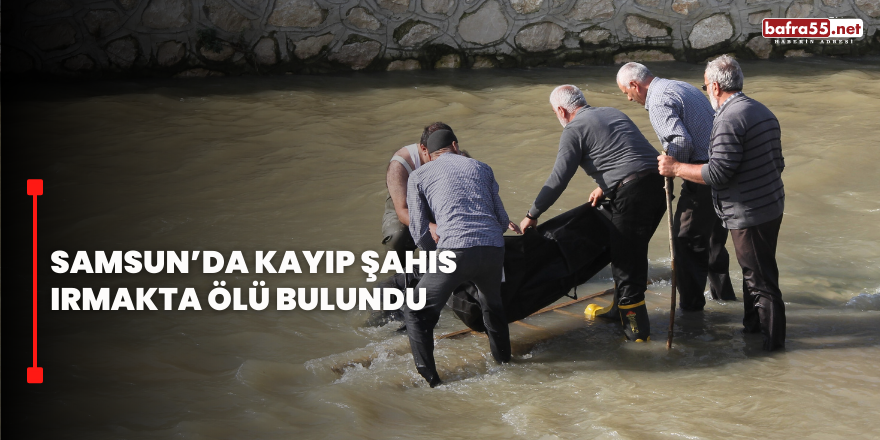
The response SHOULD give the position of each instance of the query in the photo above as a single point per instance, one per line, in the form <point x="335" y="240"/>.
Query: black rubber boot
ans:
<point x="635" y="321"/>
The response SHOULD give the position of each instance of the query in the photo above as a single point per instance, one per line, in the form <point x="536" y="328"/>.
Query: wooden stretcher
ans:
<point x="524" y="334"/>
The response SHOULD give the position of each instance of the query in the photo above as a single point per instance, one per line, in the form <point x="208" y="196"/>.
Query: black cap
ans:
<point x="440" y="139"/>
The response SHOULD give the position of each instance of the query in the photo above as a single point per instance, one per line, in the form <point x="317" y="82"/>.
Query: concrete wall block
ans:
<point x="710" y="31"/>
<point x="73" y="37"/>
<point x="167" y="14"/>
<point x="296" y="14"/>
<point x="871" y="8"/>
<point x="50" y="8"/>
<point x="486" y="25"/>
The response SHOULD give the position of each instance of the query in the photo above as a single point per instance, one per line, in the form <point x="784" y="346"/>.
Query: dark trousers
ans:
<point x="636" y="210"/>
<point x="482" y="265"/>
<point x="762" y="299"/>
<point x="395" y="235"/>
<point x="699" y="249"/>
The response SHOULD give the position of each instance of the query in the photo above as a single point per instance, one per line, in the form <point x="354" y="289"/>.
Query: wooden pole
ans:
<point x="668" y="187"/>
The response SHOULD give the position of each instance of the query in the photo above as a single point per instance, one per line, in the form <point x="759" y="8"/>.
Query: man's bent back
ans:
<point x="461" y="195"/>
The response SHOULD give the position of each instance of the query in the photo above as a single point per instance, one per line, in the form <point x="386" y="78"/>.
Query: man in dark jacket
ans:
<point x="745" y="173"/>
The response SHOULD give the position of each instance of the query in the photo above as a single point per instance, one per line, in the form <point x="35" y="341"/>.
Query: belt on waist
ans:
<point x="636" y="176"/>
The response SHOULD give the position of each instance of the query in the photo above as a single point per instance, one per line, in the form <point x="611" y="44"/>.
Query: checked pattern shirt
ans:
<point x="682" y="117"/>
<point x="461" y="196"/>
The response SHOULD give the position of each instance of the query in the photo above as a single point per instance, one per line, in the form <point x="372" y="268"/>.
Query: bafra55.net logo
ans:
<point x="812" y="28"/>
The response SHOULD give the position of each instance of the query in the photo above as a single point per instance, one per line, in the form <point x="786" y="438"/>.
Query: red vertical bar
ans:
<point x="35" y="280"/>
<point x="35" y="188"/>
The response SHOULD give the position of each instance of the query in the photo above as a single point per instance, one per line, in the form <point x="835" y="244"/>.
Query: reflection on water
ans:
<point x="297" y="163"/>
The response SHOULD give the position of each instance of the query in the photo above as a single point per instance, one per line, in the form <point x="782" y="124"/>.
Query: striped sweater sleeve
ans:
<point x="725" y="153"/>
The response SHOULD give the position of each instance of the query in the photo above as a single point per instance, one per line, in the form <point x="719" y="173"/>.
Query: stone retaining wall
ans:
<point x="195" y="38"/>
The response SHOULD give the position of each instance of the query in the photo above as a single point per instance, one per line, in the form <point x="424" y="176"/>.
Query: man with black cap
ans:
<point x="395" y="221"/>
<point x="461" y="196"/>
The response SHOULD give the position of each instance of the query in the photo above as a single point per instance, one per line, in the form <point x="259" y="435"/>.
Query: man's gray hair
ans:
<point x="726" y="72"/>
<point x="633" y="72"/>
<point x="568" y="97"/>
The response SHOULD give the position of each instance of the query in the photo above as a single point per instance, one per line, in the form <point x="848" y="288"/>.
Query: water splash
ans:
<point x="869" y="300"/>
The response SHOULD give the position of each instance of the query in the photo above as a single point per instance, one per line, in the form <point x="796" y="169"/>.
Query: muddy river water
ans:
<point x="297" y="163"/>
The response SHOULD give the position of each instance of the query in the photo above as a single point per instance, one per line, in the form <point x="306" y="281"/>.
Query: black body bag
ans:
<point x="540" y="267"/>
<point x="543" y="265"/>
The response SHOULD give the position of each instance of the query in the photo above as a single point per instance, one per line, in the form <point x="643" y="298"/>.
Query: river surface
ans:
<point x="297" y="163"/>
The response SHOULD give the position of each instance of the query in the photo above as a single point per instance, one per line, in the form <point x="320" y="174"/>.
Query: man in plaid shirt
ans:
<point x="682" y="118"/>
<point x="460" y="195"/>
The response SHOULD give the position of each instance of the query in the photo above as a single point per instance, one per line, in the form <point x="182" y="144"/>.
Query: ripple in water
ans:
<point x="866" y="300"/>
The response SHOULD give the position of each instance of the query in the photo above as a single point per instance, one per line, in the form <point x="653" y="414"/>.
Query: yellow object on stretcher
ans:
<point x="594" y="310"/>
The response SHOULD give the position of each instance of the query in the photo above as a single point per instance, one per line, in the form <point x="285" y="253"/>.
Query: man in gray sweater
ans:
<point x="611" y="149"/>
<point x="745" y="173"/>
